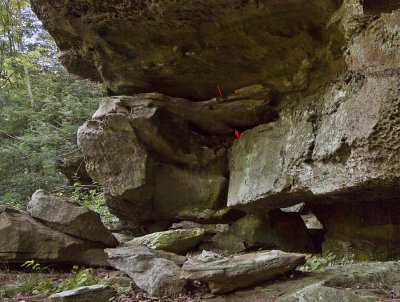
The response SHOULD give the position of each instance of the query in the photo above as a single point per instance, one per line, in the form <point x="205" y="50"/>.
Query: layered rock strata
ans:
<point x="320" y="127"/>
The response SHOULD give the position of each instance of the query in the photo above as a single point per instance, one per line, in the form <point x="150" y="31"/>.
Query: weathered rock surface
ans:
<point x="68" y="217"/>
<point x="277" y="230"/>
<point x="373" y="281"/>
<point x="93" y="293"/>
<point x="337" y="146"/>
<point x="175" y="241"/>
<point x="223" y="274"/>
<point x="150" y="271"/>
<point x="154" y="160"/>
<point x="319" y="292"/>
<point x="172" y="47"/>
<point x="23" y="238"/>
<point x="300" y="158"/>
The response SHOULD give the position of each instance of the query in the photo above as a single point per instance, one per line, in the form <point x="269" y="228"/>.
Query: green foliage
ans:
<point x="80" y="277"/>
<point x="41" y="107"/>
<point x="34" y="266"/>
<point x="316" y="262"/>
<point x="122" y="289"/>
<point x="94" y="200"/>
<point x="29" y="284"/>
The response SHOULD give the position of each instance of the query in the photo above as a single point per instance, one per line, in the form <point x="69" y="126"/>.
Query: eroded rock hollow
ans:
<point x="312" y="86"/>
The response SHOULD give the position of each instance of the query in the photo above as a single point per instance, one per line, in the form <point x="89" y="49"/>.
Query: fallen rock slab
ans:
<point x="156" y="275"/>
<point x="24" y="238"/>
<point x="225" y="274"/>
<point x="69" y="217"/>
<point x="175" y="241"/>
<point x="93" y="293"/>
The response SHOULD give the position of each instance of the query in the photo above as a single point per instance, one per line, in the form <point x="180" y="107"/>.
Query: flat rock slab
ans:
<point x="175" y="241"/>
<point x="93" y="293"/>
<point x="149" y="269"/>
<point x="69" y="217"/>
<point x="225" y="274"/>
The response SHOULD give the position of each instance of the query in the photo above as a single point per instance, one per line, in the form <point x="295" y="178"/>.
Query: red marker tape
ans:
<point x="237" y="133"/>
<point x="219" y="90"/>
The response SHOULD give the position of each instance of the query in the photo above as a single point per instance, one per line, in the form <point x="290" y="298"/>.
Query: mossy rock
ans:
<point x="175" y="241"/>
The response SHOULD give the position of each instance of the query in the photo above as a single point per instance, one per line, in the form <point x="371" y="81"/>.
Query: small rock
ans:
<point x="297" y="208"/>
<point x="311" y="221"/>
<point x="93" y="293"/>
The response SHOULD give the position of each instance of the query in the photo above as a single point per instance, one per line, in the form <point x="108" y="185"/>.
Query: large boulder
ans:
<point x="153" y="156"/>
<point x="343" y="143"/>
<point x="149" y="269"/>
<point x="68" y="217"/>
<point x="176" y="241"/>
<point x="225" y="274"/>
<point x="24" y="238"/>
<point x="337" y="144"/>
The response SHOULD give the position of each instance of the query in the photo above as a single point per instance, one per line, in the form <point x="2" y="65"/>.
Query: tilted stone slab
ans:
<point x="69" y="217"/>
<point x="225" y="274"/>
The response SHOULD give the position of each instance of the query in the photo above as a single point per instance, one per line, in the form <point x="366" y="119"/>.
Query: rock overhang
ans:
<point x="184" y="48"/>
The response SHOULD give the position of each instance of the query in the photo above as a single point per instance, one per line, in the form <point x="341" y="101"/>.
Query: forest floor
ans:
<point x="17" y="284"/>
<point x="20" y="285"/>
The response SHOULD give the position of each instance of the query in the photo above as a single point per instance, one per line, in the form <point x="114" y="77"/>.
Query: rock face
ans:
<point x="148" y="269"/>
<point x="307" y="161"/>
<point x="70" y="218"/>
<point x="153" y="166"/>
<point x="337" y="145"/>
<point x="175" y="241"/>
<point x="223" y="274"/>
<point x="22" y="238"/>
<point x="318" y="115"/>
<point x="172" y="47"/>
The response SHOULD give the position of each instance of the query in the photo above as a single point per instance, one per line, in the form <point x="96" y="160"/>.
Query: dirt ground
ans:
<point x="267" y="292"/>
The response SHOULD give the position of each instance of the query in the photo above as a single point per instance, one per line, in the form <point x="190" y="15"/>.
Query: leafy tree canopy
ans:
<point x="41" y="106"/>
